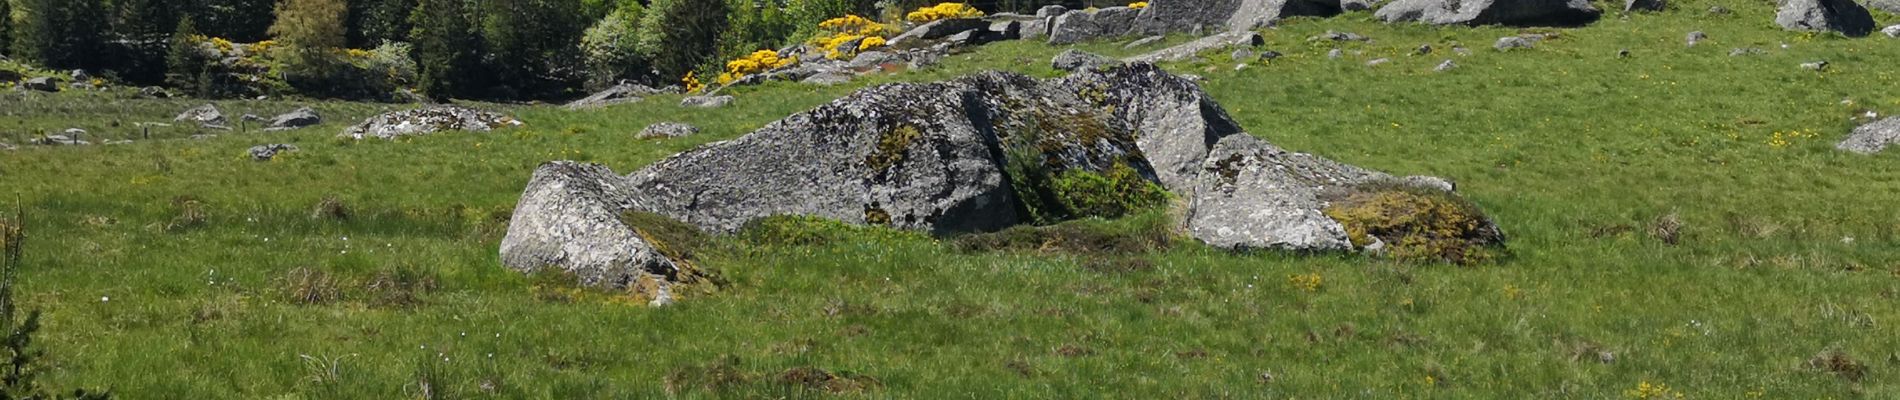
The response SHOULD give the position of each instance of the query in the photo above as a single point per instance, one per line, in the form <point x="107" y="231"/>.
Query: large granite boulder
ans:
<point x="43" y="84"/>
<point x="1873" y="137"/>
<point x="572" y="218"/>
<point x="301" y="117"/>
<point x="206" y="116"/>
<point x="1252" y="195"/>
<point x="1844" y="16"/>
<point x="1227" y="15"/>
<point x="1085" y="25"/>
<point x="427" y="120"/>
<point x="1491" y="12"/>
<point x="938" y="29"/>
<point x="618" y="94"/>
<point x="1187" y="50"/>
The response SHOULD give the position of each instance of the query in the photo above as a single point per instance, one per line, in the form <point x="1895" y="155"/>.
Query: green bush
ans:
<point x="752" y="28"/>
<point x="446" y="45"/>
<point x="1114" y="193"/>
<point x="372" y="22"/>
<point x="1415" y="223"/>
<point x="678" y="36"/>
<point x="609" y="51"/>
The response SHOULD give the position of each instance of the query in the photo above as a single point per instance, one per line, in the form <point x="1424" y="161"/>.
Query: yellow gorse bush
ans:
<point x="943" y="11"/>
<point x="871" y="43"/>
<point x="847" y="29"/>
<point x="1138" y="5"/>
<point x="757" y="62"/>
<point x="224" y="46"/>
<point x="853" y="25"/>
<point x="692" y="83"/>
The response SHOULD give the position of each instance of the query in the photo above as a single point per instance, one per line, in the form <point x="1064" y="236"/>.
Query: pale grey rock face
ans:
<point x="1358" y="5"/>
<point x="1144" y="41"/>
<point x="618" y="94"/>
<point x="668" y="130"/>
<point x="1085" y="25"/>
<point x="1447" y="65"/>
<point x="1890" y="6"/>
<point x="1190" y="49"/>
<point x="1891" y="31"/>
<point x="1644" y="5"/>
<point x="1509" y="43"/>
<point x="266" y="152"/>
<point x="205" y="115"/>
<point x="1229" y="15"/>
<point x="708" y="101"/>
<point x="1250" y="195"/>
<point x="1844" y="16"/>
<point x="569" y="219"/>
<point x="427" y="120"/>
<point x="939" y="29"/>
<point x="298" y="118"/>
<point x="1873" y="137"/>
<point x="43" y="84"/>
<point x="1491" y="12"/>
<point x="1076" y="60"/>
<point x="1175" y="121"/>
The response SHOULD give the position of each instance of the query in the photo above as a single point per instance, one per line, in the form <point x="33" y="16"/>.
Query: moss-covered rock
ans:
<point x="1416" y="223"/>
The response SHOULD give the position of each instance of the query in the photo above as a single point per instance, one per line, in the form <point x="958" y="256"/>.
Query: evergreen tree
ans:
<point x="186" y="64"/>
<point x="241" y="21"/>
<point x="445" y="47"/>
<point x="532" y="45"/>
<point x="679" y="35"/>
<point x="373" y="22"/>
<point x="309" y="34"/>
<point x="142" y="29"/>
<point x="6" y="27"/>
<point x="62" y="33"/>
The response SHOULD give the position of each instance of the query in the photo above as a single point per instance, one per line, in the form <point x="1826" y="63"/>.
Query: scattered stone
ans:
<point x="1844" y="16"/>
<point x="1630" y="6"/>
<point x="625" y="92"/>
<point x="1227" y="15"/>
<point x="1270" y="55"/>
<point x="154" y="92"/>
<point x="668" y="130"/>
<point x="1491" y="12"/>
<point x="1815" y="66"/>
<point x="829" y="79"/>
<point x="1423" y="49"/>
<point x="1076" y="60"/>
<point x="1743" y="51"/>
<point x="873" y="59"/>
<point x="1190" y="49"/>
<point x="1445" y="66"/>
<point x="1509" y="43"/>
<point x="427" y="120"/>
<point x="1145" y="41"/>
<point x="1377" y="61"/>
<point x="1244" y="55"/>
<point x="1460" y="50"/>
<point x="80" y="75"/>
<point x="1872" y="138"/>
<point x="71" y="137"/>
<point x="1891" y="31"/>
<point x="1084" y="25"/>
<point x="206" y="116"/>
<point x="251" y="118"/>
<point x="1623" y="53"/>
<point x="301" y="117"/>
<point x="204" y="136"/>
<point x="1695" y="37"/>
<point x="267" y="152"/>
<point x="706" y="101"/>
<point x="4" y="146"/>
<point x="1339" y="37"/>
<point x="1718" y="10"/>
<point x="43" y="84"/>
<point x="1356" y="5"/>
<point x="1335" y="54"/>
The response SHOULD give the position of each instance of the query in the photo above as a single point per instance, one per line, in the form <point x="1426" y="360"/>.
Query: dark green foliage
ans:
<point x="446" y="49"/>
<point x="242" y="21"/>
<point x="609" y="49"/>
<point x="752" y="28"/>
<point x="808" y="13"/>
<point x="62" y="34"/>
<point x="19" y="380"/>
<point x="144" y="29"/>
<point x="6" y="27"/>
<point x="531" y="46"/>
<point x="1048" y="190"/>
<point x="187" y="67"/>
<point x="1142" y="233"/>
<point x="372" y="22"/>
<point x="680" y="35"/>
<point x="1111" y="194"/>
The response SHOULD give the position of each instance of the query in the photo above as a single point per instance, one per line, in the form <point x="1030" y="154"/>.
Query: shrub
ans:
<point x="1138" y="5"/>
<point x="608" y="48"/>
<point x="378" y="21"/>
<point x="1417" y="223"/>
<point x="943" y="11"/>
<point x="809" y="14"/>
<point x="310" y="33"/>
<point x="843" y="37"/>
<point x="1111" y="194"/>
<point x="678" y="35"/>
<point x="445" y="49"/>
<point x="751" y="28"/>
<point x="757" y="62"/>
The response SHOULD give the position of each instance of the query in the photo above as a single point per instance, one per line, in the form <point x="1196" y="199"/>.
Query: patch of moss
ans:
<point x="679" y="242"/>
<point x="1043" y="163"/>
<point x="801" y="230"/>
<point x="1114" y="193"/>
<point x="876" y="216"/>
<point x="1417" y="223"/>
<point x="891" y="147"/>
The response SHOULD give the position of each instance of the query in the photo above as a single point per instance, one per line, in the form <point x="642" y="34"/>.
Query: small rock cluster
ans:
<point x="428" y="120"/>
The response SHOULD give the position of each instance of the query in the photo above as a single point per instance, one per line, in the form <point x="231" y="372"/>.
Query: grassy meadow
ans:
<point x="1678" y="223"/>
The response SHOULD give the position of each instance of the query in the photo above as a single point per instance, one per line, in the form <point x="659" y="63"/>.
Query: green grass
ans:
<point x="1786" y="251"/>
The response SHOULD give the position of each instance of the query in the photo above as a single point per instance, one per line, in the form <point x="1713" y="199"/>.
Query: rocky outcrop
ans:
<point x="706" y="101"/>
<point x="938" y="29"/>
<point x="1491" y="12"/>
<point x="570" y="218"/>
<point x="1227" y="15"/>
<point x="268" y="152"/>
<point x="43" y="84"/>
<point x="1873" y="137"/>
<point x="301" y="117"/>
<point x="668" y="130"/>
<point x="205" y="116"/>
<point x="618" y="94"/>
<point x="1076" y="60"/>
<point x="1644" y="5"/>
<point x="1085" y="25"/>
<point x="971" y="154"/>
<point x="1844" y="16"/>
<point x="1197" y="46"/>
<point x="427" y="120"/>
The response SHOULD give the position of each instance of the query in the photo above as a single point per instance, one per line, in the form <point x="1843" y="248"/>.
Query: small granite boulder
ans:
<point x="1844" y="16"/>
<point x="706" y="101"/>
<point x="1491" y="12"/>
<point x="668" y="130"/>
<point x="427" y="120"/>
<point x="43" y="84"/>
<point x="206" y="116"/>
<point x="1077" y="60"/>
<point x="301" y="117"/>
<point x="267" y="152"/>
<point x="1873" y="137"/>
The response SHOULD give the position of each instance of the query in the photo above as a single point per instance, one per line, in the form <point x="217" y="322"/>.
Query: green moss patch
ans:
<point x="1417" y="223"/>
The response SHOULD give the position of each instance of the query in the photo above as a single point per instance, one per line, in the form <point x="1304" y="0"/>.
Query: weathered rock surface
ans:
<point x="1844" y="16"/>
<point x="1872" y="138"/>
<point x="1891" y="31"/>
<point x="206" y="116"/>
<point x="1508" y="43"/>
<point x="301" y="117"/>
<point x="1491" y="12"/>
<point x="707" y="101"/>
<point x="1076" y="60"/>
<point x="668" y="130"/>
<point x="569" y="219"/>
<point x="426" y="120"/>
<point x="1890" y="6"/>
<point x="266" y="152"/>
<point x="618" y="94"/>
<point x="944" y="157"/>
<point x="4" y="146"/>
<point x="939" y="29"/>
<point x="43" y="84"/>
<point x="1228" y="15"/>
<point x="1695" y="37"/>
<point x="1085" y="25"/>
<point x="1644" y="5"/>
<point x="71" y="137"/>
<point x="1190" y="49"/>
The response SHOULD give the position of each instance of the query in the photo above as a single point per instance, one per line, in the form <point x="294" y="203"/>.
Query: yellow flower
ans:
<point x="871" y="43"/>
<point x="1306" y="282"/>
<point x="692" y="83"/>
<point x="943" y="11"/>
<point x="1138" y="5"/>
<point x="853" y="25"/>
<point x="757" y="62"/>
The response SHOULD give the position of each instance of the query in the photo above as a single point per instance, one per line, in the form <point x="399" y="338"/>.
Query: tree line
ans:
<point x="473" y="49"/>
